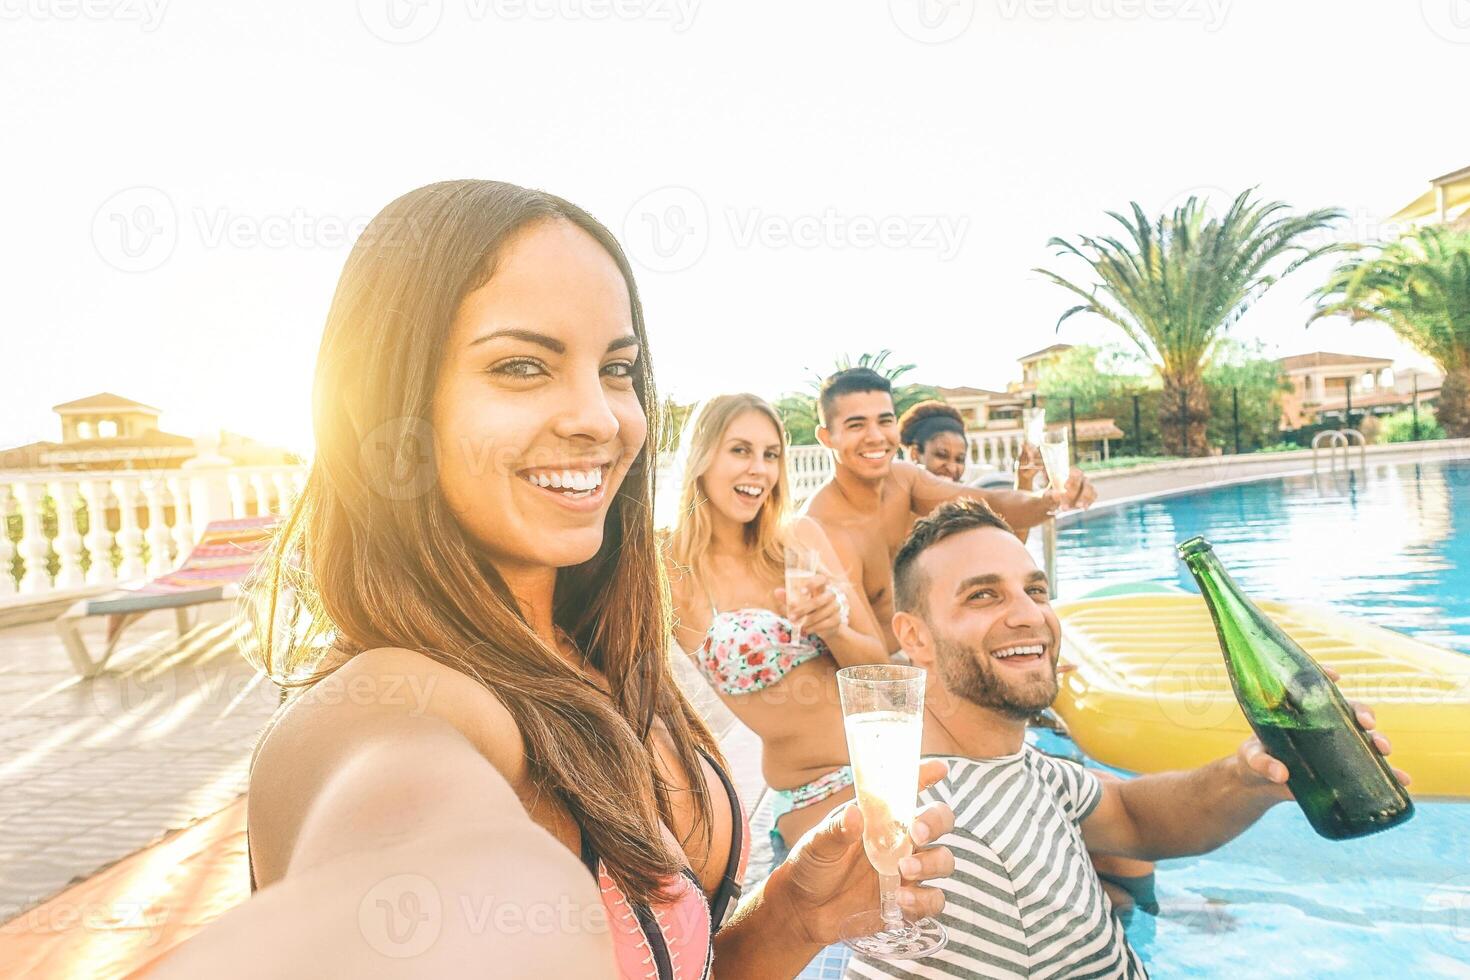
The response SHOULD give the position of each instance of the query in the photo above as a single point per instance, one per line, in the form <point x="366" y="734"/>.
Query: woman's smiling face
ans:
<point x="536" y="419"/>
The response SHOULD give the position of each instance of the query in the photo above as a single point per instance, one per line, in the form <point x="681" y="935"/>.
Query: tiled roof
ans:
<point x="1053" y="349"/>
<point x="1322" y="358"/>
<point x="104" y="401"/>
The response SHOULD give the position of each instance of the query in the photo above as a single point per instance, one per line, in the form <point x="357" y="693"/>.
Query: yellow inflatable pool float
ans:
<point x="1150" y="692"/>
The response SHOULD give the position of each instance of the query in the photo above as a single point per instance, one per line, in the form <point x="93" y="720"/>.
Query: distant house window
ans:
<point x="107" y="429"/>
<point x="84" y="430"/>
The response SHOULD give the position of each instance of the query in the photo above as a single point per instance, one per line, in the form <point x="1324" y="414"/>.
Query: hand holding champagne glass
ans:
<point x="883" y="712"/>
<point x="1056" y="456"/>
<point x="802" y="567"/>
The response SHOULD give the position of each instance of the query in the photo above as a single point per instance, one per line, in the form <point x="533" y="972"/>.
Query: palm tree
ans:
<point x="1419" y="286"/>
<point x="1177" y="284"/>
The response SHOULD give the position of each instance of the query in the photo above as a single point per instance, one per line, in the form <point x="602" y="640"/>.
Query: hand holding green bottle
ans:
<point x="1256" y="765"/>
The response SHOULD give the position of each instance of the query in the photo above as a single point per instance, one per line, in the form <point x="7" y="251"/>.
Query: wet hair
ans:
<point x="909" y="582"/>
<point x="849" y="381"/>
<point x="928" y="419"/>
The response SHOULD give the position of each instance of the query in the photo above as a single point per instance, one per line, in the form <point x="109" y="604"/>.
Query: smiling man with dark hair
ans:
<point x="1024" y="900"/>
<point x="872" y="500"/>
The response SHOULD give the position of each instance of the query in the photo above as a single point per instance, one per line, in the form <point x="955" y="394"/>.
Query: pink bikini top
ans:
<point x="675" y="940"/>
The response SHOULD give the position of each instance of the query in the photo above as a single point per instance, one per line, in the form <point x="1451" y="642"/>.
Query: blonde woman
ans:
<point x="727" y="559"/>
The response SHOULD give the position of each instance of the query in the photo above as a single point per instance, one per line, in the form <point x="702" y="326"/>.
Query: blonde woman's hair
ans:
<point x="765" y="534"/>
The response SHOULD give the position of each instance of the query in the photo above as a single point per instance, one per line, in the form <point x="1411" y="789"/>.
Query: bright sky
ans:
<point x="794" y="180"/>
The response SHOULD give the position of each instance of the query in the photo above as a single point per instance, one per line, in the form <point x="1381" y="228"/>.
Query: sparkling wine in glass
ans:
<point x="883" y="712"/>
<point x="802" y="566"/>
<point x="1057" y="458"/>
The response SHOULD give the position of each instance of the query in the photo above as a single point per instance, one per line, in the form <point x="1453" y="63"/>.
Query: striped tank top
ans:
<point x="1024" y="902"/>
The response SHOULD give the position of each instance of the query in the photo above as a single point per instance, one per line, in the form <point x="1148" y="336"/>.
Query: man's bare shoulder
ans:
<point x="827" y="507"/>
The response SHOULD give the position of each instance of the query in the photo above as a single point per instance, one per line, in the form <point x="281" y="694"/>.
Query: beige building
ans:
<point x="110" y="432"/>
<point x="986" y="411"/>
<point x="1323" y="384"/>
<point x="1446" y="201"/>
<point x="1031" y="365"/>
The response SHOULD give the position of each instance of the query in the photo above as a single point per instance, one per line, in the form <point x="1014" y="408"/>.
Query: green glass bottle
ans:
<point x="1343" y="785"/>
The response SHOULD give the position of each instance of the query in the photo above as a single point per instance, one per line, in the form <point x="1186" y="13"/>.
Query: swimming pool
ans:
<point x="1390" y="545"/>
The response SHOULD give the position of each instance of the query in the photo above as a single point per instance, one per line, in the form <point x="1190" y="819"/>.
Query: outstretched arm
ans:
<point x="1020" y="510"/>
<point x="1176" y="814"/>
<point x="404" y="857"/>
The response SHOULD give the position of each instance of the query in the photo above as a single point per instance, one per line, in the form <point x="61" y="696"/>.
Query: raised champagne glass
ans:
<point x="883" y="712"/>
<point x="803" y="563"/>
<point x="1056" y="456"/>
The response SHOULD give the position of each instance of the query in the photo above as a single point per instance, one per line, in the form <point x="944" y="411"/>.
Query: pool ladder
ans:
<point x="1334" y="440"/>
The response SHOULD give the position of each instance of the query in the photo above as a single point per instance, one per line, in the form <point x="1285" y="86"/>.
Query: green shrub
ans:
<point x="1399" y="427"/>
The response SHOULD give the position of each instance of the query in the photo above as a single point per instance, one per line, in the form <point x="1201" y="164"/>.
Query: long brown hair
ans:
<point x="765" y="534"/>
<point x="371" y="556"/>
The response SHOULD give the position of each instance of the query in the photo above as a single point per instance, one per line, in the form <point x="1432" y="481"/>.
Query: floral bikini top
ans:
<point x="746" y="650"/>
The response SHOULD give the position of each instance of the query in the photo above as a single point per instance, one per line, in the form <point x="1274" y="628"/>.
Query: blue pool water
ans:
<point x="1390" y="545"/>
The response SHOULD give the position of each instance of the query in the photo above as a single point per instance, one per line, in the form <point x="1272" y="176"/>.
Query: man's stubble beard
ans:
<point x="970" y="674"/>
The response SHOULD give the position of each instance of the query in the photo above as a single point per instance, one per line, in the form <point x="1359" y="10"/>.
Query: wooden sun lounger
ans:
<point x="226" y="552"/>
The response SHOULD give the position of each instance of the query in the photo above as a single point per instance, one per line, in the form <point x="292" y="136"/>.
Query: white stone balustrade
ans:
<point x="115" y="505"/>
<point x="178" y="504"/>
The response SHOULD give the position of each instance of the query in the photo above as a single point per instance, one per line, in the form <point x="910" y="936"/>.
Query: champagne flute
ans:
<point x="1056" y="457"/>
<point x="802" y="566"/>
<point x="883" y="713"/>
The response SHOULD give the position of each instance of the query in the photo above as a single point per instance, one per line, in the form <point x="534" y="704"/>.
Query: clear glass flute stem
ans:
<point x="888" y="901"/>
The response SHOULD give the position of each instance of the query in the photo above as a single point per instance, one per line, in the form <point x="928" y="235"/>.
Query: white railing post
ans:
<point x="129" y="534"/>
<point x="285" y="492"/>
<point x="238" y="506"/>
<point x="262" y="494"/>
<point x="68" y="543"/>
<point x="183" y="529"/>
<point x="98" y="539"/>
<point x="33" y="543"/>
<point x="209" y="490"/>
<point x="7" y="550"/>
<point x="159" y="539"/>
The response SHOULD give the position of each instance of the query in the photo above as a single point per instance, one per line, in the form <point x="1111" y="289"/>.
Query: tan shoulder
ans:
<point x="377" y="690"/>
